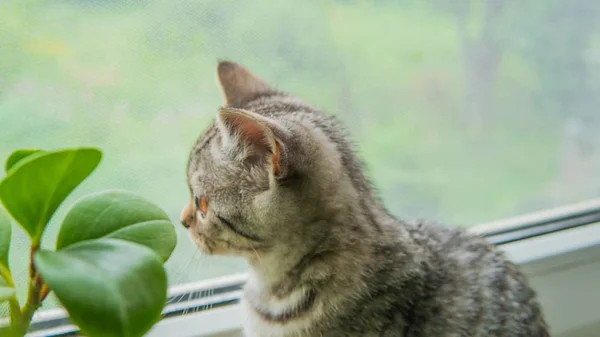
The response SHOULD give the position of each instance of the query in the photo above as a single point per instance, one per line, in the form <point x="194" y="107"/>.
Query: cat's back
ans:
<point x="478" y="291"/>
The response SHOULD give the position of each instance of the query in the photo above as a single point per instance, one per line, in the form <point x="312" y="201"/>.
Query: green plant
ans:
<point x="106" y="269"/>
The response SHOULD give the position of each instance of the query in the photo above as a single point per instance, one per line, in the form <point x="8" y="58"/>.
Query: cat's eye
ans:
<point x="201" y="204"/>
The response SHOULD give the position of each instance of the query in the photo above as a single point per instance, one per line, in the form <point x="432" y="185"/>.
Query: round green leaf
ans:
<point x="109" y="287"/>
<point x="158" y="235"/>
<point x="35" y="186"/>
<point x="122" y="215"/>
<point x="6" y="293"/>
<point x="17" y="156"/>
<point x="5" y="235"/>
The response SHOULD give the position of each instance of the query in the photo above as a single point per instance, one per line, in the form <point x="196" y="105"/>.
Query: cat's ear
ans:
<point x="254" y="135"/>
<point x="238" y="83"/>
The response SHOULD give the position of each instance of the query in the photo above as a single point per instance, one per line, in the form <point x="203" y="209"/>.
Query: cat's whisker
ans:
<point x="197" y="259"/>
<point x="205" y="293"/>
<point x="190" y="298"/>
<point x="197" y="295"/>
<point x="211" y="290"/>
<point x="181" y="275"/>
<point x="256" y="253"/>
<point x="201" y="294"/>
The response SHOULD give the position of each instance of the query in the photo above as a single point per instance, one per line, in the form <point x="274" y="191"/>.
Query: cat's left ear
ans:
<point x="238" y="84"/>
<point x="255" y="135"/>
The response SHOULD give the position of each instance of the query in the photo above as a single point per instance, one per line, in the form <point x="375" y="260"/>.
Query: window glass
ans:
<point x="464" y="111"/>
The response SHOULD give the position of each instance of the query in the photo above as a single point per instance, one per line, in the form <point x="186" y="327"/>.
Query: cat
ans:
<point x="276" y="181"/>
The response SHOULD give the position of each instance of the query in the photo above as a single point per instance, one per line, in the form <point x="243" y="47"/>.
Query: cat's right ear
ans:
<point x="238" y="84"/>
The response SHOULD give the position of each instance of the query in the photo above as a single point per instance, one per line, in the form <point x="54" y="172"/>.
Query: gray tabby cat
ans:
<point x="276" y="181"/>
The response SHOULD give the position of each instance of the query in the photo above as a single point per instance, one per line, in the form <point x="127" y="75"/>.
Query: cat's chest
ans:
<point x="267" y="315"/>
<point x="256" y="325"/>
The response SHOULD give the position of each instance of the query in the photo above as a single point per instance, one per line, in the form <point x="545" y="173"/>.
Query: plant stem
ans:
<point x="33" y="301"/>
<point x="13" y="303"/>
<point x="15" y="310"/>
<point x="36" y="293"/>
<point x="6" y="275"/>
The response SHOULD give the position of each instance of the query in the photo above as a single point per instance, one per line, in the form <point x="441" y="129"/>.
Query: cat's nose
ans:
<point x="188" y="215"/>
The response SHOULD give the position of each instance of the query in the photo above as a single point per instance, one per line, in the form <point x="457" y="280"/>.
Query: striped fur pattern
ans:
<point x="284" y="189"/>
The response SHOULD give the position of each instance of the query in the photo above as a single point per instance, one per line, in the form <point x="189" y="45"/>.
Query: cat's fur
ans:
<point x="285" y="190"/>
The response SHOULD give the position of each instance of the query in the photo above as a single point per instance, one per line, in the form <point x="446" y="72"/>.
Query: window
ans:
<point x="464" y="111"/>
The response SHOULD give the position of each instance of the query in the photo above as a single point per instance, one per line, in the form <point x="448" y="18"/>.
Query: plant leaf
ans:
<point x="159" y="235"/>
<point x="17" y="156"/>
<point x="5" y="235"/>
<point x="6" y="293"/>
<point x="35" y="186"/>
<point x="122" y="215"/>
<point x="109" y="287"/>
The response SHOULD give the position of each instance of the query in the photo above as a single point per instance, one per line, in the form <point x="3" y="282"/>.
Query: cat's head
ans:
<point x="259" y="177"/>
